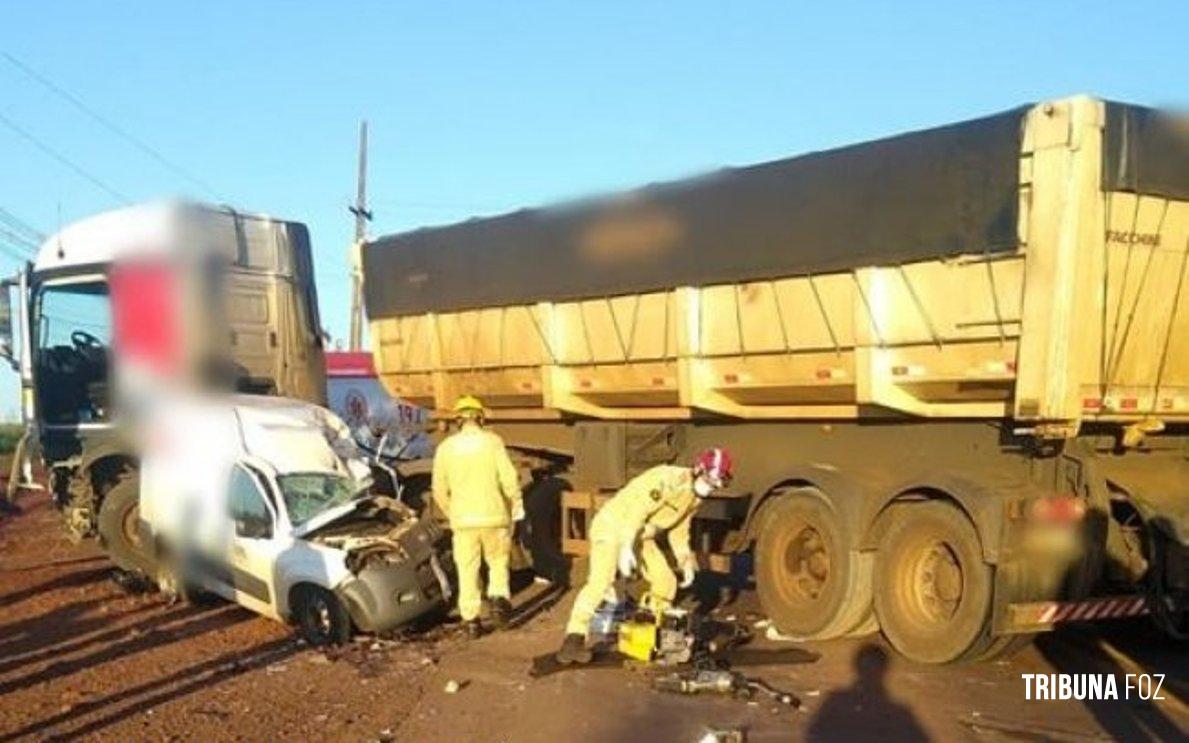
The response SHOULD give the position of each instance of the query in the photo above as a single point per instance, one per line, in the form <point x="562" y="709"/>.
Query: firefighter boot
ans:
<point x="573" y="650"/>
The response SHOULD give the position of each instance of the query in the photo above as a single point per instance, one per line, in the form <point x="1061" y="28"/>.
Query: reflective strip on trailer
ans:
<point x="1044" y="614"/>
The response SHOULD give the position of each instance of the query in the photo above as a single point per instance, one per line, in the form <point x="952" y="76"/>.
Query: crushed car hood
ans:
<point x="326" y="518"/>
<point x="373" y="529"/>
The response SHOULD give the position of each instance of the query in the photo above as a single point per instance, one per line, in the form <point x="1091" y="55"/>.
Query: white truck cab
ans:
<point x="265" y="502"/>
<point x="221" y="298"/>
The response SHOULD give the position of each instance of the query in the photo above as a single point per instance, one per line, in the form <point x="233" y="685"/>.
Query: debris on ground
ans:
<point x="685" y="653"/>
<point x="721" y="681"/>
<point x="776" y="635"/>
<point x="724" y="735"/>
<point x="82" y="659"/>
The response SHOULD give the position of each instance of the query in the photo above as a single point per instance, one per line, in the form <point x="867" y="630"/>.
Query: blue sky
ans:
<point x="478" y="108"/>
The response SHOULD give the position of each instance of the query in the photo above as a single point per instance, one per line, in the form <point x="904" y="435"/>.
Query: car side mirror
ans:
<point x="252" y="527"/>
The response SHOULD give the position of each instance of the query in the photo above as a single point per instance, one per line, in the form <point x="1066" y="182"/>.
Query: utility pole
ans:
<point x="362" y="217"/>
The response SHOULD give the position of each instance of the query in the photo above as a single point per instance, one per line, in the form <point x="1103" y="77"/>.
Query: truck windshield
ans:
<point x="71" y="362"/>
<point x="309" y="494"/>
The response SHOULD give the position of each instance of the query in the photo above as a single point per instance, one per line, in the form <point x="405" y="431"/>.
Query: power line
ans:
<point x="63" y="160"/>
<point x="15" y="239"/>
<point x="112" y="127"/>
<point x="12" y="251"/>
<point x="20" y="225"/>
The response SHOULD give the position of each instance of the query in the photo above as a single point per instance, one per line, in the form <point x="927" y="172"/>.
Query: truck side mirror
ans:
<point x="7" y="347"/>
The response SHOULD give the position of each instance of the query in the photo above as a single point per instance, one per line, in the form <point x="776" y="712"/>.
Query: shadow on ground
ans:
<point x="1125" y="648"/>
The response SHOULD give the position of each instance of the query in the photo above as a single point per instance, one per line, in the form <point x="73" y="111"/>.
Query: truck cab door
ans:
<point x="14" y="337"/>
<point x="255" y="542"/>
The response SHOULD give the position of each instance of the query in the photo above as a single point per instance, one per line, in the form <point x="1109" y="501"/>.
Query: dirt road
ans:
<point x="80" y="657"/>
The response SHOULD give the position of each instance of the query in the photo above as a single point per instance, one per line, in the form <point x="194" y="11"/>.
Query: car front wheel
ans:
<point x="320" y="616"/>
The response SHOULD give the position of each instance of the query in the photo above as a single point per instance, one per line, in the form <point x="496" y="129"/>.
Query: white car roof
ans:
<point x="281" y="435"/>
<point x="293" y="435"/>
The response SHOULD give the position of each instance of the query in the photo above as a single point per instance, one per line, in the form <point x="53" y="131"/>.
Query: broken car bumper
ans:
<point x="385" y="596"/>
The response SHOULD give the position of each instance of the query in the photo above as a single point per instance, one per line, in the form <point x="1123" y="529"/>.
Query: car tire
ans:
<point x="119" y="527"/>
<point x="320" y="617"/>
<point x="810" y="583"/>
<point x="933" y="590"/>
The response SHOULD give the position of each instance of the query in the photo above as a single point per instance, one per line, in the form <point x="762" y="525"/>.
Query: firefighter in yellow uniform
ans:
<point x="662" y="500"/>
<point x="478" y="489"/>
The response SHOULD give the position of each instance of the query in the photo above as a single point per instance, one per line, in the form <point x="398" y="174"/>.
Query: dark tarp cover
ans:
<point x="1146" y="151"/>
<point x="928" y="194"/>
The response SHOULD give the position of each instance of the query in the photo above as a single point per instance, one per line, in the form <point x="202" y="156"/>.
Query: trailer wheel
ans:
<point x="810" y="584"/>
<point x="321" y="617"/>
<point x="119" y="527"/>
<point x="933" y="591"/>
<point x="1168" y="608"/>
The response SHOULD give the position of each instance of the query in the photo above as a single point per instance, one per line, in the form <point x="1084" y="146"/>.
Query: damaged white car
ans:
<point x="265" y="502"/>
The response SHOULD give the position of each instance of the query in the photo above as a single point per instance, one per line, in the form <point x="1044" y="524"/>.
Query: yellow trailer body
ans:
<point x="1081" y="319"/>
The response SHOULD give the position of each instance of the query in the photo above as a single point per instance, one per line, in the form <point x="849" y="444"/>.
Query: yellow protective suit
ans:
<point x="477" y="487"/>
<point x="658" y="501"/>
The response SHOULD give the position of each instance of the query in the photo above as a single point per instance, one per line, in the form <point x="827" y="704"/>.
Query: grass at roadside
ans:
<point x="10" y="434"/>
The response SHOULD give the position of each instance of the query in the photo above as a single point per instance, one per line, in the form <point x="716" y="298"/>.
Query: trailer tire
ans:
<point x="933" y="591"/>
<point x="119" y="527"/>
<point x="1168" y="608"/>
<point x="321" y="617"/>
<point x="810" y="584"/>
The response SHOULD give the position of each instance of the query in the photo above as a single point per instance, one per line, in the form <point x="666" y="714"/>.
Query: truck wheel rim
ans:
<point x="320" y="617"/>
<point x="936" y="583"/>
<point x="808" y="563"/>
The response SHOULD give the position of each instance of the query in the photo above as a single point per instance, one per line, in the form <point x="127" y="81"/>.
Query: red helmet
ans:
<point x="715" y="464"/>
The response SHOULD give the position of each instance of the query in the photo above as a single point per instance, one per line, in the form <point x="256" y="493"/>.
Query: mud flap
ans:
<point x="1041" y="616"/>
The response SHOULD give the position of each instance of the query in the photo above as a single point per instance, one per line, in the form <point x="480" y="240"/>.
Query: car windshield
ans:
<point x="308" y="494"/>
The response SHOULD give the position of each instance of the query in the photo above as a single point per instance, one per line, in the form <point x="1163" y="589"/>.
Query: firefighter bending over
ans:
<point x="661" y="500"/>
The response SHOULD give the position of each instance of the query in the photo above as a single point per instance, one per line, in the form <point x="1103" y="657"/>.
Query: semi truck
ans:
<point x="952" y="366"/>
<point x="152" y="295"/>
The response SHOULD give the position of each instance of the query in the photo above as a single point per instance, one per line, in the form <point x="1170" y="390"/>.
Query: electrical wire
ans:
<point x="111" y="126"/>
<point x="63" y="160"/>
<point x="14" y="252"/>
<point x="16" y="241"/>
<point x="16" y="223"/>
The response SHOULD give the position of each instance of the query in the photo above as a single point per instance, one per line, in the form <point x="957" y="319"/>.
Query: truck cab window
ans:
<point x="246" y="506"/>
<point x="72" y="360"/>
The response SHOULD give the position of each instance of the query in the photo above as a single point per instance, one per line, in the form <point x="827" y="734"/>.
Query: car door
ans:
<point x="255" y="543"/>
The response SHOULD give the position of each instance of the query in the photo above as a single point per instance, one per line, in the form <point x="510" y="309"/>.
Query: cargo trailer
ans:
<point x="952" y="365"/>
